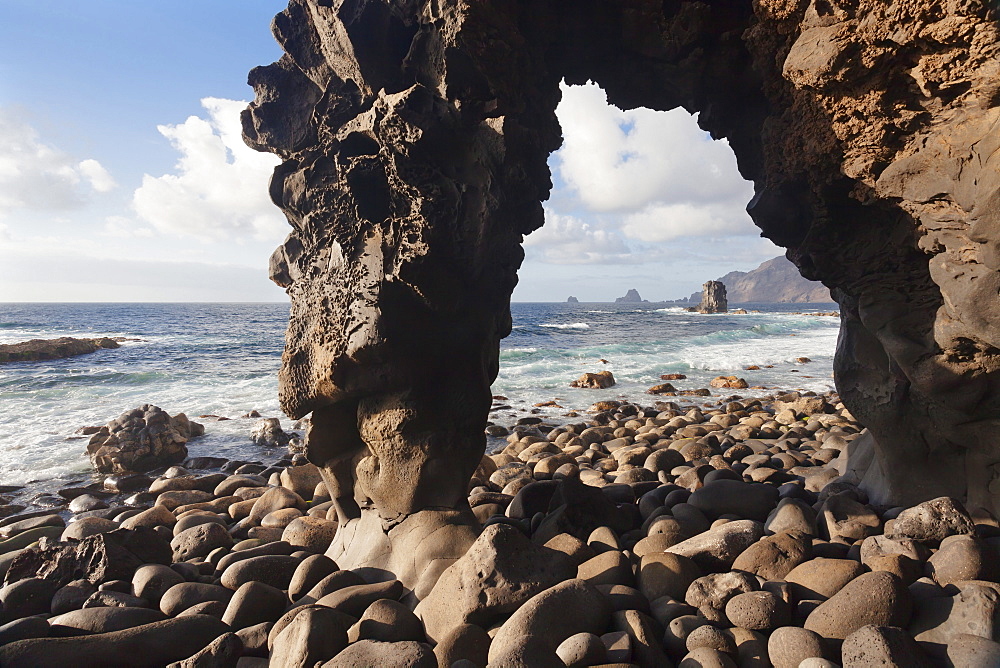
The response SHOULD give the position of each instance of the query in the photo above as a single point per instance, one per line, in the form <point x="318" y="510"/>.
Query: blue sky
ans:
<point x="122" y="177"/>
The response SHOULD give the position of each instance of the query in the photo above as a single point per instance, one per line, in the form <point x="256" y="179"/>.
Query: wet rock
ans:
<point x="595" y="381"/>
<point x="717" y="549"/>
<point x="501" y="570"/>
<point x="878" y="599"/>
<point x="86" y="502"/>
<point x="268" y="432"/>
<point x="155" y="644"/>
<point x="932" y="521"/>
<point x="140" y="440"/>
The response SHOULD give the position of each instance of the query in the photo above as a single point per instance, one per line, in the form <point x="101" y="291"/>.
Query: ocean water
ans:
<point x="223" y="359"/>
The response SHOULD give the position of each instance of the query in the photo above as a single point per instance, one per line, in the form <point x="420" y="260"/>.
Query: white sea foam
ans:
<point x="572" y="325"/>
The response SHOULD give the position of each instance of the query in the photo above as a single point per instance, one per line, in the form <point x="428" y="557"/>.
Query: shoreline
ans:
<point x="719" y="529"/>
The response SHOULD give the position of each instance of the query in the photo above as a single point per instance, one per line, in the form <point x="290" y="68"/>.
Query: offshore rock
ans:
<point x="142" y="439"/>
<point x="52" y="349"/>
<point x="713" y="298"/>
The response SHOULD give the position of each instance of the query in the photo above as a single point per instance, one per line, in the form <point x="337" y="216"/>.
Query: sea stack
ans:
<point x="713" y="298"/>
<point x="572" y="300"/>
<point x="631" y="297"/>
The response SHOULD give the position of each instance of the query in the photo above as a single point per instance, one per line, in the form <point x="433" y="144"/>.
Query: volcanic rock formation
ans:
<point x="713" y="298"/>
<point x="414" y="137"/>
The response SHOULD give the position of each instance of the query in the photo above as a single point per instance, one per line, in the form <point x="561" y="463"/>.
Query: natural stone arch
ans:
<point x="414" y="137"/>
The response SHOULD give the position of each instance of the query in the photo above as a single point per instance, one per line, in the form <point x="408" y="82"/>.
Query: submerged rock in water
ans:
<point x="142" y="439"/>
<point x="594" y="381"/>
<point x="52" y="349"/>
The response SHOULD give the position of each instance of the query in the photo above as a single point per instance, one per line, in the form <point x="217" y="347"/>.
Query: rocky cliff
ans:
<point x="414" y="138"/>
<point x="776" y="281"/>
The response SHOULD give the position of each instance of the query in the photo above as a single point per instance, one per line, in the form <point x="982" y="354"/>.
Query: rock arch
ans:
<point x="414" y="136"/>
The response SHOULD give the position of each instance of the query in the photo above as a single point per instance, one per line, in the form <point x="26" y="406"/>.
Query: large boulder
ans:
<point x="142" y="439"/>
<point x="501" y="570"/>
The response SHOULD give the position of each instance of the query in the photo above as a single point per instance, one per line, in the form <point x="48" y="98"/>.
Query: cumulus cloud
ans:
<point x="36" y="175"/>
<point x="620" y="161"/>
<point x="219" y="188"/>
<point x="568" y="240"/>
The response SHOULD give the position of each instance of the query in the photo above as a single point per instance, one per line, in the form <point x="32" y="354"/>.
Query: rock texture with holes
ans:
<point x="414" y="138"/>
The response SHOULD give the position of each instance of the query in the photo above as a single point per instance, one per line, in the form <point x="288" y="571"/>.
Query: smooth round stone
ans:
<point x="103" y="620"/>
<point x="311" y="533"/>
<point x="709" y="636"/>
<point x="758" y="611"/>
<point x="821" y="578"/>
<point x="309" y="573"/>
<point x="182" y="596"/>
<point x="72" y="596"/>
<point x="706" y="657"/>
<point x="199" y="541"/>
<point x="581" y="649"/>
<point x="375" y="653"/>
<point x="24" y="598"/>
<point x="961" y="558"/>
<point x="254" y="603"/>
<point x="388" y="621"/>
<point x="789" y="646"/>
<point x="666" y="574"/>
<point x="152" y="580"/>
<point x="279" y="519"/>
<point x="194" y="519"/>
<point x="86" y="502"/>
<point x="879" y="598"/>
<point x="752" y="501"/>
<point x="87" y="526"/>
<point x="274" y="570"/>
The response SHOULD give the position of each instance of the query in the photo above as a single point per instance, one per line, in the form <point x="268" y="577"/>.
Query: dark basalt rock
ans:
<point x="713" y="298"/>
<point x="52" y="349"/>
<point x="108" y="556"/>
<point x="414" y="143"/>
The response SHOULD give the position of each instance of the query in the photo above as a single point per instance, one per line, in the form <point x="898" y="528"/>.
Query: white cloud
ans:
<point x="35" y="175"/>
<point x="100" y="179"/>
<point x="219" y="189"/>
<point x="660" y="222"/>
<point x="568" y="240"/>
<point x="623" y="161"/>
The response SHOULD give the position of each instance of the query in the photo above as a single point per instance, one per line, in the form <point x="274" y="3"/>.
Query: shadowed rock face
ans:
<point x="415" y="136"/>
<point x="713" y="298"/>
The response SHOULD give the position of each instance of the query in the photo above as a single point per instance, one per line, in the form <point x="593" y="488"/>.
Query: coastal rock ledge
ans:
<point x="52" y="349"/>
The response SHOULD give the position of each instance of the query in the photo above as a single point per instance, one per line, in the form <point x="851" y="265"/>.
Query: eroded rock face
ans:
<point x="414" y="137"/>
<point x="141" y="440"/>
<point x="713" y="298"/>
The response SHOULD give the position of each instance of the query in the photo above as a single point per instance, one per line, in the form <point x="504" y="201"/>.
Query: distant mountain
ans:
<point x="774" y="282"/>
